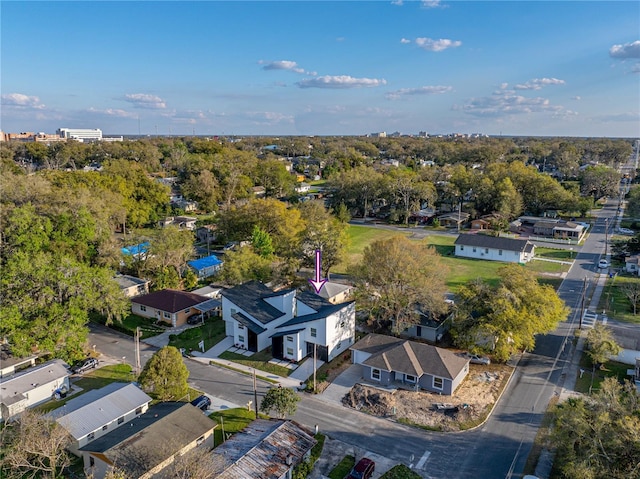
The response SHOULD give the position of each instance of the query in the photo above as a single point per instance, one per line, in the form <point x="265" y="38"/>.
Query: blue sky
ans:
<point x="322" y="68"/>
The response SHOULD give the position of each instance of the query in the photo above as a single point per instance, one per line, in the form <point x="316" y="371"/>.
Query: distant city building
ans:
<point x="80" y="134"/>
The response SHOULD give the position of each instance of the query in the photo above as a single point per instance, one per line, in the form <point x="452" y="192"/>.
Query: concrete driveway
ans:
<point x="342" y="384"/>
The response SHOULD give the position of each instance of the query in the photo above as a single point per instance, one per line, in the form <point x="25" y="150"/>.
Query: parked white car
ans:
<point x="603" y="263"/>
<point x="475" y="359"/>
<point x="626" y="231"/>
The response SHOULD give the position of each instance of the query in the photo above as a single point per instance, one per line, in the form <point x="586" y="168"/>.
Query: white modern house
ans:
<point x="100" y="411"/>
<point x="494" y="248"/>
<point x="293" y="323"/>
<point x="32" y="386"/>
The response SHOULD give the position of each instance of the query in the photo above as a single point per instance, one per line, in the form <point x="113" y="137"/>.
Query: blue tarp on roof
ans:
<point x="204" y="263"/>
<point x="135" y="249"/>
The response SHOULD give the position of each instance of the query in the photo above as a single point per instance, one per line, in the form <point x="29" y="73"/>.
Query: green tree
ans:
<point x="34" y="446"/>
<point x="202" y="187"/>
<point x="169" y="250"/>
<point x="506" y="318"/>
<point x="261" y="242"/>
<point x="281" y="400"/>
<point x="601" y="344"/>
<point x="633" y="202"/>
<point x="46" y="302"/>
<point x="244" y="265"/>
<point x="631" y="290"/>
<point x="165" y="375"/>
<point x="397" y="278"/>
<point x="599" y="181"/>
<point x="598" y="437"/>
<point x="323" y="232"/>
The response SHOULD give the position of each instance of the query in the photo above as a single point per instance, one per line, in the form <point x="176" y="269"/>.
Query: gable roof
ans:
<point x="414" y="358"/>
<point x="495" y="242"/>
<point x="250" y="298"/>
<point x="153" y="437"/>
<point x="170" y="300"/>
<point x="14" y="388"/>
<point x="206" y="262"/>
<point x="94" y="409"/>
<point x="265" y="449"/>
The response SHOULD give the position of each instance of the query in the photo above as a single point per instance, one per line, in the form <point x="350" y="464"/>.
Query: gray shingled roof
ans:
<point x="250" y="298"/>
<point x="495" y="242"/>
<point x="262" y="449"/>
<point x="412" y="358"/>
<point x="143" y="443"/>
<point x="323" y="312"/>
<point x="242" y="319"/>
<point x="92" y="410"/>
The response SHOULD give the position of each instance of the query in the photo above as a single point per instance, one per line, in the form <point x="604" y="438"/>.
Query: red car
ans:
<point x="363" y="470"/>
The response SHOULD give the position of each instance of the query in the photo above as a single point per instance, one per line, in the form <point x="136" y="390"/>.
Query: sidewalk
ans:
<point x="212" y="356"/>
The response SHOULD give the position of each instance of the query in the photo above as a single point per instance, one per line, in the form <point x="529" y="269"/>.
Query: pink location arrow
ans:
<point x="318" y="283"/>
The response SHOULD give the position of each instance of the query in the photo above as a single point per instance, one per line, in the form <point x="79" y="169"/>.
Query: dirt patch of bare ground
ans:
<point x="466" y="408"/>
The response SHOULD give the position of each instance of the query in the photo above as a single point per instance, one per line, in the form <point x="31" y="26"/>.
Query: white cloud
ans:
<point x="506" y="102"/>
<point x="432" y="45"/>
<point x="112" y="112"/>
<point x="629" y="116"/>
<point x="269" y="117"/>
<point x="635" y="68"/>
<point x="143" y="100"/>
<point x="628" y="50"/>
<point x="397" y="2"/>
<point x="19" y="100"/>
<point x="431" y="4"/>
<point x="282" y="65"/>
<point x="405" y="40"/>
<point x="577" y="98"/>
<point x="538" y="83"/>
<point x="340" y="81"/>
<point x="424" y="90"/>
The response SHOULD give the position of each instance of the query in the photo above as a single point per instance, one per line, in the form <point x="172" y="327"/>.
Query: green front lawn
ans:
<point x="343" y="468"/>
<point x="232" y="421"/>
<point x="359" y="238"/>
<point x="258" y="361"/>
<point x="616" y="303"/>
<point x="609" y="369"/>
<point x="211" y="332"/>
<point x="129" y="324"/>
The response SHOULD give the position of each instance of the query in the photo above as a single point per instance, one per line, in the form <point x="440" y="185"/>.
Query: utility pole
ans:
<point x="606" y="237"/>
<point x="314" y="367"/>
<point x="584" y="293"/>
<point x="138" y="334"/>
<point x="255" y="393"/>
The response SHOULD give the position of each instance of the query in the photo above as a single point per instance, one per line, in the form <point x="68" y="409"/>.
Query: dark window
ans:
<point x="120" y="419"/>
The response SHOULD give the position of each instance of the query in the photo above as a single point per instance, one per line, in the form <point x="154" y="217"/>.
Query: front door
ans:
<point x="252" y="342"/>
<point x="277" y="347"/>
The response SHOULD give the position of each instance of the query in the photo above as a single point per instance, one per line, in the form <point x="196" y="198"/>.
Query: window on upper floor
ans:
<point x="289" y="339"/>
<point x="314" y="332"/>
<point x="143" y="307"/>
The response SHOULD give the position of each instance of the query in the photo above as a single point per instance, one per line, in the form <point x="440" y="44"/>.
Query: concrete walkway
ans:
<point x="342" y="385"/>
<point x="162" y="339"/>
<point x="305" y="370"/>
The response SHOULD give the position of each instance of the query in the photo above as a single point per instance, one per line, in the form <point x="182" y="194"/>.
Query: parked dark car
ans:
<point x="202" y="402"/>
<point x="84" y="365"/>
<point x="195" y="319"/>
<point x="363" y="470"/>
